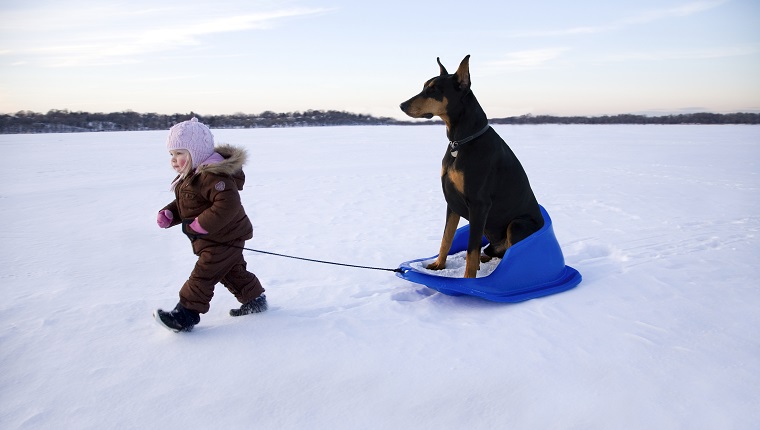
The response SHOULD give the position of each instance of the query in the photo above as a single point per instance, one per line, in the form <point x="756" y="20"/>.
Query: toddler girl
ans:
<point x="207" y="204"/>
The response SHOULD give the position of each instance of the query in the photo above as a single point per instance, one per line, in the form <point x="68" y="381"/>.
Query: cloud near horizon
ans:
<point x="700" y="54"/>
<point x="643" y="18"/>
<point x="524" y="60"/>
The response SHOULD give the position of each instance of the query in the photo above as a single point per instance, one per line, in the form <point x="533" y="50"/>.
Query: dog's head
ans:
<point x="441" y="95"/>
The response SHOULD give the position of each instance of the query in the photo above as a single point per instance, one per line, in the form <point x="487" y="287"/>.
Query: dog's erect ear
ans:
<point x="443" y="69"/>
<point x="463" y="73"/>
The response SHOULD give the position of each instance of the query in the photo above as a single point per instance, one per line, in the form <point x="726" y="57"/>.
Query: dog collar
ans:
<point x="455" y="144"/>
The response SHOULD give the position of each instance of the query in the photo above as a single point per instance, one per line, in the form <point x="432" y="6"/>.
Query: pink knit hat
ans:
<point x="193" y="136"/>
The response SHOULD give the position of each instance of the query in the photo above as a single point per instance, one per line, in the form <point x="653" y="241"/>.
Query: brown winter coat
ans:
<point x="211" y="194"/>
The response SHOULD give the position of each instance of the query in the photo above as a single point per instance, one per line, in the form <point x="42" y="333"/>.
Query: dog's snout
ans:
<point x="404" y="106"/>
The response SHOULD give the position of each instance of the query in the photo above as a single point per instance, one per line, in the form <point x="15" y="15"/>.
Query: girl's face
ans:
<point x="181" y="161"/>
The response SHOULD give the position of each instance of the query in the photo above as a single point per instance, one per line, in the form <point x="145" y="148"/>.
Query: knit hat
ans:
<point x="193" y="136"/>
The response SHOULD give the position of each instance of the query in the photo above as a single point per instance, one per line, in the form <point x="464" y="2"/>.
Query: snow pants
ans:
<point x="219" y="264"/>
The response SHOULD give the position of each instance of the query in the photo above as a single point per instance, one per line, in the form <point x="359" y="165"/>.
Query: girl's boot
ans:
<point x="179" y="319"/>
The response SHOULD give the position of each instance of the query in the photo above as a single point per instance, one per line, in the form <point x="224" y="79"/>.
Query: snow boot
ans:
<point x="259" y="304"/>
<point x="179" y="319"/>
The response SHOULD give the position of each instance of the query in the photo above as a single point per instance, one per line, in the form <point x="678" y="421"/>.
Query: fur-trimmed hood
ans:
<point x="231" y="165"/>
<point x="234" y="159"/>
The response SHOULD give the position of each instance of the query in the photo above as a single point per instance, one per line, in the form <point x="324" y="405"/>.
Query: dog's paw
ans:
<point x="436" y="266"/>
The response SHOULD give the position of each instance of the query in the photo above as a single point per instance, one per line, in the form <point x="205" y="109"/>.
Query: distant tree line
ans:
<point x="65" y="121"/>
<point x="690" y="118"/>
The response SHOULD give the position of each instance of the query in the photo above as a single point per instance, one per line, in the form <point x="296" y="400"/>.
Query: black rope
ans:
<point x="193" y="236"/>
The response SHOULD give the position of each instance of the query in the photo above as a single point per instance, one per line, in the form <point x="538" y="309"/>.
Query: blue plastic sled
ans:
<point x="534" y="267"/>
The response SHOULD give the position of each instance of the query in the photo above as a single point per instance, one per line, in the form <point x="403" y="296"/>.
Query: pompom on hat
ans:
<point x="193" y="136"/>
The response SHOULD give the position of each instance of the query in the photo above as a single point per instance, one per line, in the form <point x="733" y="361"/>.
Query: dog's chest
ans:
<point x="453" y="180"/>
<point x="464" y="178"/>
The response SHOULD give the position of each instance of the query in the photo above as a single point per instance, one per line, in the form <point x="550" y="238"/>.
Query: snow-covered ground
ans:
<point x="661" y="221"/>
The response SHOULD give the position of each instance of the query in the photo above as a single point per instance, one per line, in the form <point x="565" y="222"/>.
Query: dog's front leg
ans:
<point x="475" y="240"/>
<point x="452" y="222"/>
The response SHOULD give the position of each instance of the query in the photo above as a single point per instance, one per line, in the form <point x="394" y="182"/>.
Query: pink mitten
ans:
<point x="196" y="226"/>
<point x="164" y="219"/>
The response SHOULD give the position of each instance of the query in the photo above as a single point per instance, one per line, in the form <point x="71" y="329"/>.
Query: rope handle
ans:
<point x="397" y="270"/>
<point x="194" y="236"/>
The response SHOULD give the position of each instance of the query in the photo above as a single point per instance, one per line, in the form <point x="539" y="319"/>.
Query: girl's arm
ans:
<point x="172" y="207"/>
<point x="225" y="204"/>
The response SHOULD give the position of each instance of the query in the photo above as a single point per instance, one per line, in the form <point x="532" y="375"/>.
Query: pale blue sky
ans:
<point x="583" y="57"/>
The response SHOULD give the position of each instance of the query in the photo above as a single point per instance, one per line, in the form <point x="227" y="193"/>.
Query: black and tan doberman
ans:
<point x="482" y="179"/>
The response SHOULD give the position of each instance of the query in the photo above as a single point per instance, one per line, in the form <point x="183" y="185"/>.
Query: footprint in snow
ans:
<point x="413" y="295"/>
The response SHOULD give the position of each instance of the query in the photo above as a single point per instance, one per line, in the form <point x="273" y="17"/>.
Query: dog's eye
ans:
<point x="432" y="89"/>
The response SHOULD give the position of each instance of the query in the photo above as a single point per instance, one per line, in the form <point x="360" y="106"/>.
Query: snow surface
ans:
<point x="661" y="221"/>
<point x="455" y="265"/>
